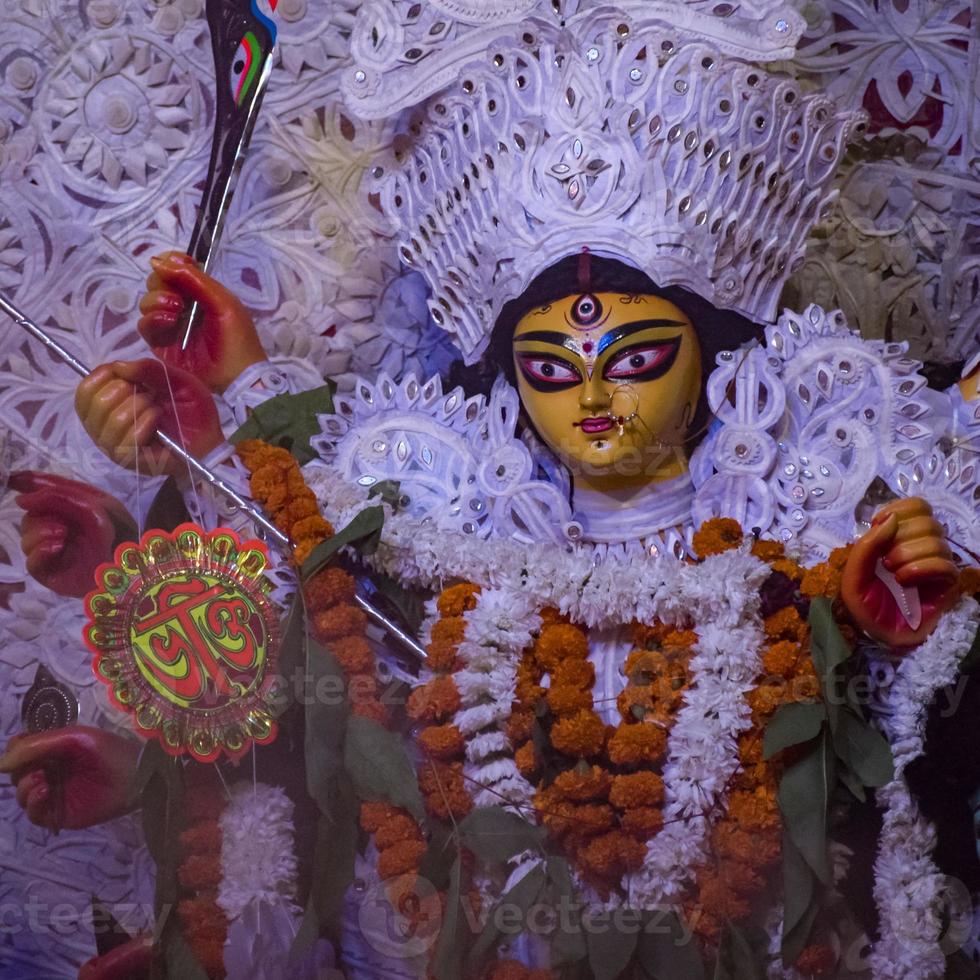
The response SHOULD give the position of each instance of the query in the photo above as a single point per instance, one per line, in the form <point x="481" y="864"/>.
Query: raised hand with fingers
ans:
<point x="900" y="577"/>
<point x="69" y="529"/>
<point x="224" y="341"/>
<point x="122" y="404"/>
<point x="74" y="777"/>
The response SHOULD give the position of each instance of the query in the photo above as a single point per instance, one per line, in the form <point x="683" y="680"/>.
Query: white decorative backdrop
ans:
<point x="105" y="122"/>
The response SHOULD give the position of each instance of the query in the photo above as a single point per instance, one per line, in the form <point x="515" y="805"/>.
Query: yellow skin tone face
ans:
<point x="611" y="383"/>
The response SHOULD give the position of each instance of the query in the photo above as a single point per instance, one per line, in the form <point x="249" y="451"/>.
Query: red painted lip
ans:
<point x="593" y="424"/>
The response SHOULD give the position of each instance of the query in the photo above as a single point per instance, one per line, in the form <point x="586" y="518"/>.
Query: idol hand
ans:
<point x="900" y="576"/>
<point x="69" y="529"/>
<point x="72" y="777"/>
<point x="131" y="961"/>
<point x="122" y="404"/>
<point x="224" y="341"/>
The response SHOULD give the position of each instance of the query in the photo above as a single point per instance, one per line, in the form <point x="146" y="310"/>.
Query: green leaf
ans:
<point x="407" y="605"/>
<point x="852" y="782"/>
<point x="291" y="665"/>
<point x="153" y="761"/>
<point x="379" y="766"/>
<point x="864" y="750"/>
<point x="667" y="951"/>
<point x="738" y="959"/>
<point x="159" y="784"/>
<point x="178" y="957"/>
<point x="335" y="846"/>
<point x="519" y="900"/>
<point x="567" y="945"/>
<point x="804" y="797"/>
<point x="327" y="714"/>
<point x="289" y="421"/>
<point x="829" y="651"/>
<point x="800" y="901"/>
<point x="438" y="859"/>
<point x="793" y="724"/>
<point x="744" y="957"/>
<point x="829" y="647"/>
<point x="334" y="854"/>
<point x="576" y="971"/>
<point x="336" y="850"/>
<point x="610" y="950"/>
<point x="447" y="958"/>
<point x="972" y="660"/>
<point x="363" y="533"/>
<point x="168" y="510"/>
<point x="109" y="933"/>
<point x="495" y="835"/>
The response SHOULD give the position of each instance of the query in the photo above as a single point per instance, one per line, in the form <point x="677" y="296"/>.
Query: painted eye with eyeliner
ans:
<point x="548" y="372"/>
<point x="644" y="362"/>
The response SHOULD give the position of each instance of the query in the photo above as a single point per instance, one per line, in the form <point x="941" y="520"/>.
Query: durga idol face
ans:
<point x="611" y="383"/>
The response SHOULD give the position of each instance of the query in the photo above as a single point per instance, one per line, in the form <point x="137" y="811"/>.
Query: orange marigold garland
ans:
<point x="203" y="923"/>
<point x="746" y="842"/>
<point x="277" y="483"/>
<point x="716" y="536"/>
<point x="816" y="961"/>
<point x="433" y="705"/>
<point x="604" y="802"/>
<point x="397" y="835"/>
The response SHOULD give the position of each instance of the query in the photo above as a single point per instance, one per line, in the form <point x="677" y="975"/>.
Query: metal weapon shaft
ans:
<point x="245" y="506"/>
<point x="199" y="468"/>
<point x="204" y="241"/>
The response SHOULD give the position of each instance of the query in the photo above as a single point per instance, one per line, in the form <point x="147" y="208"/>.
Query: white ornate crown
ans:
<point x="641" y="130"/>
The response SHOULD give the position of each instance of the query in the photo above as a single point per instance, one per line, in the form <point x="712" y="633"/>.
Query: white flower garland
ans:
<point x="497" y="631"/>
<point x="593" y="585"/>
<point x="908" y="885"/>
<point x="702" y="748"/>
<point x="258" y="861"/>
<point x="258" y="884"/>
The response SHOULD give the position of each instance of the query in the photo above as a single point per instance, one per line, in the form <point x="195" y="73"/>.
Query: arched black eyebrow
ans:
<point x="628" y="329"/>
<point x="555" y="337"/>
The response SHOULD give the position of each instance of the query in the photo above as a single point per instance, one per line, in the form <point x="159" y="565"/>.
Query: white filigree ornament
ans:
<point x="806" y="424"/>
<point x="455" y="459"/>
<point x="641" y="131"/>
<point x="914" y="53"/>
<point x="122" y="109"/>
<point x="404" y="51"/>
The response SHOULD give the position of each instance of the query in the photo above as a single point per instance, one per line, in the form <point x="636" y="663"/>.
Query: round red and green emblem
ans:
<point x="185" y="636"/>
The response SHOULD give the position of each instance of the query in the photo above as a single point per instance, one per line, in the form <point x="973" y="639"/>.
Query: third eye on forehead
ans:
<point x="613" y="336"/>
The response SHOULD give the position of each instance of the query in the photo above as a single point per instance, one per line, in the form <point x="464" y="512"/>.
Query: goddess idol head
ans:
<point x="610" y="368"/>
